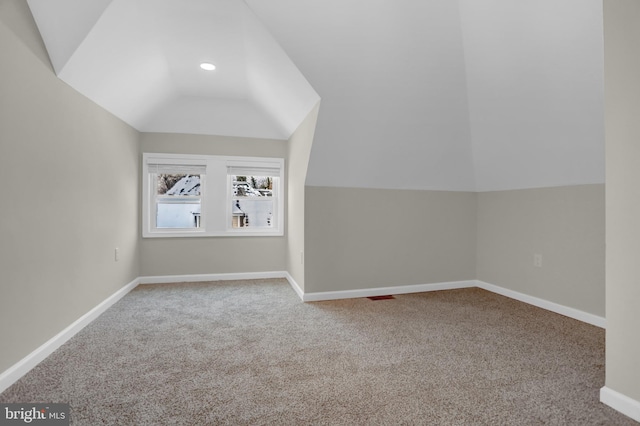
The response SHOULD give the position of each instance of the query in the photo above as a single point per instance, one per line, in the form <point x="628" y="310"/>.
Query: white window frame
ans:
<point x="255" y="168"/>
<point x="216" y="194"/>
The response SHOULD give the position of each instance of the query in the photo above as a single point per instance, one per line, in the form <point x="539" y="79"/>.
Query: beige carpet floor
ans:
<point x="249" y="352"/>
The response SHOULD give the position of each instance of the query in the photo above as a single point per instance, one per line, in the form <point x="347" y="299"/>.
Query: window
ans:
<point x="178" y="198"/>
<point x="189" y="195"/>
<point x="254" y="196"/>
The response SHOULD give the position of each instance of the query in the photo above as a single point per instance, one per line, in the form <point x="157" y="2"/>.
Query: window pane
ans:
<point x="178" y="215"/>
<point x="178" y="185"/>
<point x="254" y="213"/>
<point x="179" y="189"/>
<point x="252" y="186"/>
<point x="252" y="205"/>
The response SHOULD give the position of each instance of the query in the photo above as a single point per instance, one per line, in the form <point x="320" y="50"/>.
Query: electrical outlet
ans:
<point x="537" y="260"/>
<point x="116" y="254"/>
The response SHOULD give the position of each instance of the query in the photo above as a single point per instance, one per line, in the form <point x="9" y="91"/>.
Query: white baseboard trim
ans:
<point x="417" y="288"/>
<point x="22" y="367"/>
<point x="165" y="279"/>
<point x="619" y="402"/>
<point x="381" y="291"/>
<point x="295" y="286"/>
<point x="15" y="372"/>
<point x="545" y="304"/>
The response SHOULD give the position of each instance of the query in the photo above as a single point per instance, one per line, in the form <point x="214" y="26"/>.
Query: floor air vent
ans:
<point x="381" y="297"/>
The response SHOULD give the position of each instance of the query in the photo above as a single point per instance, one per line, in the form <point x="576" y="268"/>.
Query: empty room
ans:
<point x="319" y="212"/>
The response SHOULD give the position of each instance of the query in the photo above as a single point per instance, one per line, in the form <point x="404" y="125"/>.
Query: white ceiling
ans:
<point x="417" y="94"/>
<point x="535" y="91"/>
<point x="140" y="60"/>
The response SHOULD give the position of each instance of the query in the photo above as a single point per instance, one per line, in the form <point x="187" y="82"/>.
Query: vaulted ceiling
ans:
<point x="417" y="94"/>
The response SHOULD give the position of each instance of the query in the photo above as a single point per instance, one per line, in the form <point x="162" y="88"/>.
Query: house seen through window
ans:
<point x="178" y="201"/>
<point x="252" y="203"/>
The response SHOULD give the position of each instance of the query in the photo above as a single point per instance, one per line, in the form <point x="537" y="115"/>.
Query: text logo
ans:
<point x="35" y="414"/>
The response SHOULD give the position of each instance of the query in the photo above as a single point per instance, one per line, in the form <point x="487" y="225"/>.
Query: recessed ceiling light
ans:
<point x="207" y="66"/>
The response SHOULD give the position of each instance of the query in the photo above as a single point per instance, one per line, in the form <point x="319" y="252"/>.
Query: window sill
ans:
<point x="196" y="234"/>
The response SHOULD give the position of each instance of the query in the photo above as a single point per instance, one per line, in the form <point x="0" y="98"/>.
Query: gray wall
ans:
<point x="565" y="225"/>
<point x="363" y="238"/>
<point x="622" y="110"/>
<point x="69" y="173"/>
<point x="211" y="255"/>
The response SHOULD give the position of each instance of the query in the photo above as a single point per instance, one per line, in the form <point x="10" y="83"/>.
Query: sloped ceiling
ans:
<point x="419" y="94"/>
<point x="535" y="91"/>
<point x="140" y="60"/>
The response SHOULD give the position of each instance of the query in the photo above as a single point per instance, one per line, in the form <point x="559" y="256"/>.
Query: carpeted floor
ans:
<point x="249" y="352"/>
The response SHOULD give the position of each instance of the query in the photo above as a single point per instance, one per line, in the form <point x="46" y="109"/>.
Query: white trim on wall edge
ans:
<point x="452" y="285"/>
<point x="545" y="304"/>
<point x="619" y="402"/>
<point x="382" y="291"/>
<point x="15" y="372"/>
<point x="22" y="367"/>
<point x="165" y="279"/>
<point x="295" y="286"/>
